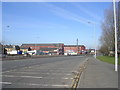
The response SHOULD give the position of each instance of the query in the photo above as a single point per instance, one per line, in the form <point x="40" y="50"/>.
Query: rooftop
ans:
<point x="74" y="45"/>
<point x="47" y="44"/>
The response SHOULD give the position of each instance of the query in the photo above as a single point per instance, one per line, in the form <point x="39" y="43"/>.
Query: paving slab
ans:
<point x="98" y="74"/>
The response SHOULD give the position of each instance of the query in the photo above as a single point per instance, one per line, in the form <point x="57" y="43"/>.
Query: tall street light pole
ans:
<point x="116" y="55"/>
<point x="3" y="37"/>
<point x="94" y="37"/>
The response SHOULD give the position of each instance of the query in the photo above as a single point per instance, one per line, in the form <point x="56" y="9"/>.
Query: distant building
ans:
<point x="91" y="51"/>
<point x="24" y="49"/>
<point x="10" y="49"/>
<point x="54" y="48"/>
<point x="75" y="48"/>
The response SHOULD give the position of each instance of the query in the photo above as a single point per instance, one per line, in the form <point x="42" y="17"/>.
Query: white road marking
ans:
<point x="60" y="85"/>
<point x="32" y="77"/>
<point x="22" y="76"/>
<point x="5" y="83"/>
<point x="34" y="84"/>
<point x="9" y="71"/>
<point x="68" y="74"/>
<point x="55" y="85"/>
<point x="41" y="73"/>
<point x="67" y="78"/>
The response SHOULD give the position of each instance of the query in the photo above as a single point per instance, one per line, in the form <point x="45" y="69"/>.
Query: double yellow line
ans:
<point x="77" y="76"/>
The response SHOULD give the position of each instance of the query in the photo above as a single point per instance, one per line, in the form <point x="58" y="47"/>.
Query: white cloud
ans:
<point x="66" y="14"/>
<point x="91" y="14"/>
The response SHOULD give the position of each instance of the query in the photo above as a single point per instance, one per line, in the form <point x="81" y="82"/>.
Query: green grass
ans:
<point x="108" y="59"/>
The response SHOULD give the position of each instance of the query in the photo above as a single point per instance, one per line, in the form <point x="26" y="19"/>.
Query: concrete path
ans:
<point x="98" y="74"/>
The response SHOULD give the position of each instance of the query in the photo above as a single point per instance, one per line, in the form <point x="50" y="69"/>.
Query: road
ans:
<point x="53" y="72"/>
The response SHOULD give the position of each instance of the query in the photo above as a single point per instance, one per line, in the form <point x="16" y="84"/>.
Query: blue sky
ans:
<point x="53" y="22"/>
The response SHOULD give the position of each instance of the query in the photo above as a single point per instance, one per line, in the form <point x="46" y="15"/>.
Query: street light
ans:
<point x="116" y="55"/>
<point x="3" y="37"/>
<point x="94" y="35"/>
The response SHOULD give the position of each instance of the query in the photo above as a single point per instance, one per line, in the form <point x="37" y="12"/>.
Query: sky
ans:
<point x="53" y="22"/>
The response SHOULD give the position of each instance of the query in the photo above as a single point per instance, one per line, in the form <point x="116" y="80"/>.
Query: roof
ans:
<point x="23" y="47"/>
<point x="74" y="45"/>
<point x="8" y="46"/>
<point x="51" y="44"/>
<point x="48" y="49"/>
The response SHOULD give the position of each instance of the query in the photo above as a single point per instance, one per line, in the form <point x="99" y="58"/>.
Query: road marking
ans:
<point x="35" y="84"/>
<point x="5" y="83"/>
<point x="9" y="71"/>
<point x="68" y="74"/>
<point x="67" y="78"/>
<point x="25" y="72"/>
<point x="32" y="77"/>
<point x="55" y="85"/>
<point x="22" y="76"/>
<point x="41" y="73"/>
<point x="80" y="79"/>
<point x="60" y="85"/>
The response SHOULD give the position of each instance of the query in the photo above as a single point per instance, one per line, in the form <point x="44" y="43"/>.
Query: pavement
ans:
<point x="19" y="57"/>
<point x="98" y="74"/>
<point x="53" y="72"/>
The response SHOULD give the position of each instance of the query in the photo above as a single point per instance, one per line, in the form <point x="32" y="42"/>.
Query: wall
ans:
<point x="74" y="48"/>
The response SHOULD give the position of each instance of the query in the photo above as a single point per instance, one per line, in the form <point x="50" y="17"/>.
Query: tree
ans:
<point x="4" y="51"/>
<point x="107" y="39"/>
<point x="17" y="48"/>
<point x="29" y="49"/>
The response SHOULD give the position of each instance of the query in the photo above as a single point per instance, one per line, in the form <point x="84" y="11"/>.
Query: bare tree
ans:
<point x="107" y="39"/>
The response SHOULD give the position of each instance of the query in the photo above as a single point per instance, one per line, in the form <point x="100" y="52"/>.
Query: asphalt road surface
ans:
<point x="53" y="72"/>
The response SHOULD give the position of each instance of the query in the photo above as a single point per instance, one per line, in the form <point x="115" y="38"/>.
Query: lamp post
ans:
<point x="3" y="37"/>
<point x="94" y="36"/>
<point x="116" y="55"/>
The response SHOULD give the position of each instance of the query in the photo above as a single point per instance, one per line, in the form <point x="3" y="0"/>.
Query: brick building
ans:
<point x="55" y="48"/>
<point x="74" y="48"/>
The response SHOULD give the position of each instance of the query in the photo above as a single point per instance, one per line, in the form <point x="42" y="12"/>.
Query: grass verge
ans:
<point x="108" y="59"/>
